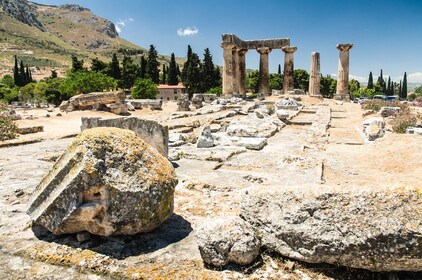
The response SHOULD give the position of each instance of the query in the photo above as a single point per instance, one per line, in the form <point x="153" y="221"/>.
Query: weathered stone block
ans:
<point x="229" y="240"/>
<point x="108" y="182"/>
<point x="379" y="229"/>
<point x="150" y="131"/>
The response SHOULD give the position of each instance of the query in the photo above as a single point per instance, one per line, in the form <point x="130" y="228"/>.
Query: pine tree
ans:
<point x="370" y="81"/>
<point x="16" y="75"/>
<point x="163" y="76"/>
<point x="207" y="72"/>
<point x="404" y="86"/>
<point x="115" y="68"/>
<point x="152" y="65"/>
<point x="185" y="65"/>
<point x="77" y="65"/>
<point x="143" y="69"/>
<point x="172" y="72"/>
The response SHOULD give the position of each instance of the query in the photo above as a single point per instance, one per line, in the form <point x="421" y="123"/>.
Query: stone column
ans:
<point x="343" y="72"/>
<point x="227" y="70"/>
<point x="263" y="70"/>
<point x="315" y="75"/>
<point x="236" y="72"/>
<point x="288" y="83"/>
<point x="242" y="72"/>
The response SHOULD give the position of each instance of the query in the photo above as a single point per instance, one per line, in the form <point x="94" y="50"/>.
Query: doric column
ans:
<point x="288" y="83"/>
<point x="235" y="71"/>
<point x="263" y="70"/>
<point x="227" y="70"/>
<point x="315" y="75"/>
<point x="343" y="72"/>
<point x="242" y="71"/>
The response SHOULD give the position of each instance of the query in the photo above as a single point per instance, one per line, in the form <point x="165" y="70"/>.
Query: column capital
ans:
<point x="344" y="47"/>
<point x="263" y="50"/>
<point x="242" y="51"/>
<point x="289" y="49"/>
<point x="228" y="46"/>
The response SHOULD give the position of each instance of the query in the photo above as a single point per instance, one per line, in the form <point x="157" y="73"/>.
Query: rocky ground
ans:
<point x="322" y="145"/>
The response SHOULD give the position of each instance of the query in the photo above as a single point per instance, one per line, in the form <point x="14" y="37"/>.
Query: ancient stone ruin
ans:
<point x="150" y="131"/>
<point x="343" y="72"/>
<point x="108" y="182"/>
<point x="234" y="67"/>
<point x="98" y="101"/>
<point x="315" y="75"/>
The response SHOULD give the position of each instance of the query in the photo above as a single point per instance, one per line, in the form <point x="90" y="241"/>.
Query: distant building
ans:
<point x="168" y="92"/>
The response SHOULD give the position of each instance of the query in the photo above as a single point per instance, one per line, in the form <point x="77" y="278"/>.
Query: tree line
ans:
<point x="196" y="75"/>
<point x="380" y="87"/>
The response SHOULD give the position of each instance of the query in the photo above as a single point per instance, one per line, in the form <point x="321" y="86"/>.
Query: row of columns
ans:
<point x="234" y="70"/>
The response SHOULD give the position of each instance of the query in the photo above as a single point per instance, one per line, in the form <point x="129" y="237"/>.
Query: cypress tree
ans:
<point x="404" y="86"/>
<point x="22" y="74"/>
<point x="143" y="69"/>
<point x="152" y="65"/>
<point x="16" y="75"/>
<point x="381" y="83"/>
<point x="400" y="93"/>
<point x="389" y="86"/>
<point x="279" y="69"/>
<point x="115" y="68"/>
<point x="28" y="75"/>
<point x="172" y="72"/>
<point x="163" y="77"/>
<point x="191" y="73"/>
<point x="370" y="81"/>
<point x="208" y="72"/>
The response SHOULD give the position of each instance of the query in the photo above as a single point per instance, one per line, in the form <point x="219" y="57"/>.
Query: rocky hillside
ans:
<point x="46" y="36"/>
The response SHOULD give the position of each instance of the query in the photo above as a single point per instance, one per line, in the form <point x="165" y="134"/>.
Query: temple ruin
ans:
<point x="234" y="66"/>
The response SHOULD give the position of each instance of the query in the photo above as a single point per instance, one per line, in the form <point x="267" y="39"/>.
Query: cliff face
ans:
<point x="48" y="35"/>
<point x="23" y="11"/>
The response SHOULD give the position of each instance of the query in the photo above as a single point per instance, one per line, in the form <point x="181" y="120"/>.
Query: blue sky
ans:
<point x="386" y="34"/>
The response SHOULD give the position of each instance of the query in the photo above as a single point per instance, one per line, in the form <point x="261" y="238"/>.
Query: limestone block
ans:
<point x="152" y="104"/>
<point x="183" y="104"/>
<point x="379" y="229"/>
<point x="205" y="140"/>
<point x="108" y="182"/>
<point x="227" y="240"/>
<point x="282" y="114"/>
<point x="198" y="100"/>
<point x="150" y="131"/>
<point x="118" y="108"/>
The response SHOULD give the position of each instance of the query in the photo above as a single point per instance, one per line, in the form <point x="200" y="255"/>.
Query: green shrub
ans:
<point x="404" y="120"/>
<point x="216" y="90"/>
<point x="144" y="89"/>
<point x="376" y="105"/>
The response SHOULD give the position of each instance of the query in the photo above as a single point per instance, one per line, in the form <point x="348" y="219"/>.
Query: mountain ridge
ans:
<point x="47" y="35"/>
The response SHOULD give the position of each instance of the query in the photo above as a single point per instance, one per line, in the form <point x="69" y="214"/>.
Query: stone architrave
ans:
<point x="315" y="77"/>
<point x="343" y="72"/>
<point x="242" y="71"/>
<point x="263" y="70"/>
<point x="228" y="70"/>
<point x="288" y="83"/>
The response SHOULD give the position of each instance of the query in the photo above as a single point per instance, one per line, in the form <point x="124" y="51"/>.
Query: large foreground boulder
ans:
<point x="225" y="240"/>
<point x="378" y="229"/>
<point x="108" y="182"/>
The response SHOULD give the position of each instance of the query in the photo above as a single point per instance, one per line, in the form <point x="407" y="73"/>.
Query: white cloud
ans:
<point x="188" y="31"/>
<point x="122" y="23"/>
<point x="413" y="77"/>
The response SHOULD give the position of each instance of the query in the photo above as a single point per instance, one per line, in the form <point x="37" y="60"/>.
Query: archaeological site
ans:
<point x="267" y="184"/>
